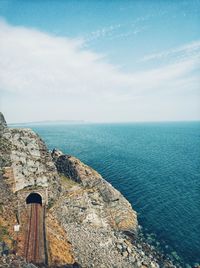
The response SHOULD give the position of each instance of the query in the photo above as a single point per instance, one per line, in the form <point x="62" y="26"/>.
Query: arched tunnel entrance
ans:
<point x="34" y="198"/>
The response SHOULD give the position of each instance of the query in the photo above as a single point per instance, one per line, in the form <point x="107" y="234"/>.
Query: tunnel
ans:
<point x="34" y="198"/>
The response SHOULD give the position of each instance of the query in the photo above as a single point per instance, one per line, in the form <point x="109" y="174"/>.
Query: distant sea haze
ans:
<point x="156" y="166"/>
<point x="48" y="122"/>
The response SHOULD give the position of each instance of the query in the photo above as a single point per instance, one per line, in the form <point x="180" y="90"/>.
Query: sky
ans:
<point x="100" y="60"/>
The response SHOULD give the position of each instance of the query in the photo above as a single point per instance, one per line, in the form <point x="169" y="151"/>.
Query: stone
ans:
<point x="125" y="254"/>
<point x="119" y="246"/>
<point x="129" y="250"/>
<point x="138" y="264"/>
<point x="154" y="265"/>
<point x="3" y="124"/>
<point x="132" y="259"/>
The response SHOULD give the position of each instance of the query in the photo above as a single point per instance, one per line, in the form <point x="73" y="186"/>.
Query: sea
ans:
<point x="156" y="166"/>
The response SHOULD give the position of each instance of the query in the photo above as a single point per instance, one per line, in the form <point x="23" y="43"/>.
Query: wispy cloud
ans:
<point x="123" y="29"/>
<point x="182" y="52"/>
<point x="116" y="31"/>
<point x="102" y="32"/>
<point x="53" y="77"/>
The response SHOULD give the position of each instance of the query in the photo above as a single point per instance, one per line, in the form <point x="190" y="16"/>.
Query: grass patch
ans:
<point x="50" y="204"/>
<point x="3" y="232"/>
<point x="67" y="182"/>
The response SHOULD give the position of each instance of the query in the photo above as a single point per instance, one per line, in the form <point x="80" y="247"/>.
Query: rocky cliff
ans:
<point x="88" y="222"/>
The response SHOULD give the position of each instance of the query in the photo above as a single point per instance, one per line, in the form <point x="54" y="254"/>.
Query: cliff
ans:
<point x="88" y="223"/>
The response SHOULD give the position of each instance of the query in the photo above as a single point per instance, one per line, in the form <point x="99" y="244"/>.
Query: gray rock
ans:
<point x="2" y="122"/>
<point x="119" y="247"/>
<point x="125" y="254"/>
<point x="129" y="250"/>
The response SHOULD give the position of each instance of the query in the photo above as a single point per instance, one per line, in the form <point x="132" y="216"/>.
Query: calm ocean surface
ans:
<point x="155" y="165"/>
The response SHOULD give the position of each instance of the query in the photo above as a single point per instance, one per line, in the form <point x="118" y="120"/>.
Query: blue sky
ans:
<point x="100" y="60"/>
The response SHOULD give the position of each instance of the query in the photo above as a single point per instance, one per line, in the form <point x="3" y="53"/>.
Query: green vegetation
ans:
<point x="3" y="232"/>
<point x="1" y="208"/>
<point x="67" y="182"/>
<point x="50" y="203"/>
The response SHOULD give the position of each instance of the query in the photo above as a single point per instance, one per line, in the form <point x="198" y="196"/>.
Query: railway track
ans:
<point x="34" y="247"/>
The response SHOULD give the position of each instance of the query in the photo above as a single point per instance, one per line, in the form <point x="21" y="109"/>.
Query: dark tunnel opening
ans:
<point x="34" y="198"/>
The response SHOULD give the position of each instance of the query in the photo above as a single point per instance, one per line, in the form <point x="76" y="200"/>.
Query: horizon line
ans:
<point x="78" y="122"/>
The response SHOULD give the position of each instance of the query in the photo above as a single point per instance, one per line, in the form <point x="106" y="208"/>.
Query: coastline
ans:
<point x="80" y="201"/>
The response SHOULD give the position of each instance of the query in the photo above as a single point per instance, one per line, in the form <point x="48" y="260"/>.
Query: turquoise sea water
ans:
<point x="155" y="165"/>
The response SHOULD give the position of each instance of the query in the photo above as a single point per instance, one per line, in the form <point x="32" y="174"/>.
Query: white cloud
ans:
<point x="47" y="77"/>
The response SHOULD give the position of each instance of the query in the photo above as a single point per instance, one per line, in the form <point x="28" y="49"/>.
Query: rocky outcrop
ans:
<point x="5" y="143"/>
<point x="3" y="124"/>
<point x="102" y="204"/>
<point x="94" y="215"/>
<point x="100" y="223"/>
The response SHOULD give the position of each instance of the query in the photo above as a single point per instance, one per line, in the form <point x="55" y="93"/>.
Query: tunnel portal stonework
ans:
<point x="32" y="165"/>
<point x="23" y="195"/>
<point x="27" y="166"/>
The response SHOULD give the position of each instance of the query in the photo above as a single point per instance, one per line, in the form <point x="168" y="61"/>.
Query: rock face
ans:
<point x="93" y="213"/>
<point x="100" y="223"/>
<point x="2" y="122"/>
<point x="5" y="143"/>
<point x="101" y="203"/>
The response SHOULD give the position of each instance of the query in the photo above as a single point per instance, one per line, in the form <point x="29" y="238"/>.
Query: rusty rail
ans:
<point x="35" y="241"/>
